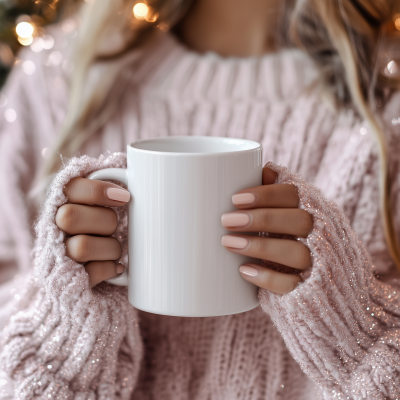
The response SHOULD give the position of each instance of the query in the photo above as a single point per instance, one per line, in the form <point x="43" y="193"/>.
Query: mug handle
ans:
<point x="121" y="175"/>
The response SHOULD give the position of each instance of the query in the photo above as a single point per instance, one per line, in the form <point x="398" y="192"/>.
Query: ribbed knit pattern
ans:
<point x="339" y="324"/>
<point x="325" y="339"/>
<point x="70" y="342"/>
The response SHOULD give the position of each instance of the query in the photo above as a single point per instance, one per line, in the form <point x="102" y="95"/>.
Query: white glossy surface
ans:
<point x="177" y="265"/>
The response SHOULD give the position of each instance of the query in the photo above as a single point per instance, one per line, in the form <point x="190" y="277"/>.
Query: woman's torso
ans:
<point x="273" y="100"/>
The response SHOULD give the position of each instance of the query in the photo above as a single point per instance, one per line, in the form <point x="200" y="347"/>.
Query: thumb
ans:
<point x="100" y="271"/>
<point x="268" y="176"/>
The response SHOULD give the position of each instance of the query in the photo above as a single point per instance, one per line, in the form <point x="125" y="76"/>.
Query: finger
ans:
<point x="100" y="271"/>
<point x="268" y="176"/>
<point x="291" y="253"/>
<point x="93" y="192"/>
<point x="288" y="221"/>
<point x="83" y="248"/>
<point x="268" y="279"/>
<point x="268" y="196"/>
<point x="74" y="219"/>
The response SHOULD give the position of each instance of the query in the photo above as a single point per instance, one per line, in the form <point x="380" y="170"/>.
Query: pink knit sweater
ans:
<point x="336" y="336"/>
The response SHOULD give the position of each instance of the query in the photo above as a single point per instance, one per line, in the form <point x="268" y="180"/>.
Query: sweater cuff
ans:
<point x="335" y="322"/>
<point x="71" y="341"/>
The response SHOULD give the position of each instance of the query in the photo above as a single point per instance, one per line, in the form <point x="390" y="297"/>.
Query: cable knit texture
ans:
<point x="336" y="336"/>
<point x="339" y="324"/>
<point x="56" y="346"/>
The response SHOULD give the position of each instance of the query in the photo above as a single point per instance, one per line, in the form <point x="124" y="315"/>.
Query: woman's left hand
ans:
<point x="271" y="208"/>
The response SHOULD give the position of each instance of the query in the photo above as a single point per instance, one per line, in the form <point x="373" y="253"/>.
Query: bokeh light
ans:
<point x="140" y="10"/>
<point x="46" y="153"/>
<point x="392" y="67"/>
<point x="151" y="18"/>
<point x="397" y="23"/>
<point x="54" y="58"/>
<point x="25" y="41"/>
<point x="28" y="67"/>
<point x="68" y="25"/>
<point x="24" y="30"/>
<point x="10" y="115"/>
<point x="47" y="42"/>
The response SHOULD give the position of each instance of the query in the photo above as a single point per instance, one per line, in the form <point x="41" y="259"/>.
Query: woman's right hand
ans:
<point x="87" y="214"/>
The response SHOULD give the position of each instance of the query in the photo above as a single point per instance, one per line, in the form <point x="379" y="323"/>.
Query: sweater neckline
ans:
<point x="169" y="67"/>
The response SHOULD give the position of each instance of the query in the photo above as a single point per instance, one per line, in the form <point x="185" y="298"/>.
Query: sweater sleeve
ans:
<point x="341" y="324"/>
<point x="68" y="340"/>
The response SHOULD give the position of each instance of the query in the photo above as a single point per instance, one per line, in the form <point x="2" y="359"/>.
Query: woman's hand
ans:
<point x="86" y="214"/>
<point x="274" y="209"/>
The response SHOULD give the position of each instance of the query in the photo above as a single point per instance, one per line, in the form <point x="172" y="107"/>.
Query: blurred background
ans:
<point x="23" y="23"/>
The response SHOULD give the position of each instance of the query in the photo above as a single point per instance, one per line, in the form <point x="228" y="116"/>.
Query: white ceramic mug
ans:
<point x="180" y="187"/>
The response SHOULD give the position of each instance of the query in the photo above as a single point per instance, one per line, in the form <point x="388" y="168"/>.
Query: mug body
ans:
<point x="180" y="187"/>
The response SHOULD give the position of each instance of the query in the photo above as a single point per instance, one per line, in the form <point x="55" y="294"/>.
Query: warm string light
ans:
<point x="25" y="32"/>
<point x="140" y="10"/>
<point x="143" y="11"/>
<point x="396" y="20"/>
<point x="151" y="18"/>
<point x="25" y="42"/>
<point x="392" y="67"/>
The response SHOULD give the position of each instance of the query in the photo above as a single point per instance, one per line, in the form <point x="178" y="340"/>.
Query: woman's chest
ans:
<point x="334" y="151"/>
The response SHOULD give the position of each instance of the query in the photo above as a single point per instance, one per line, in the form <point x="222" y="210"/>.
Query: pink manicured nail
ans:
<point x="120" y="269"/>
<point x="242" y="199"/>
<point x="248" y="270"/>
<point x="234" y="242"/>
<point x="118" y="194"/>
<point x="235" y="220"/>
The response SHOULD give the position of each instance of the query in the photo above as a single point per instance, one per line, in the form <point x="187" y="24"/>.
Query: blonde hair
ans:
<point x="343" y="37"/>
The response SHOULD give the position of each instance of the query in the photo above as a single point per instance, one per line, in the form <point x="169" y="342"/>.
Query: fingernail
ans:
<point x="234" y="242"/>
<point x="118" y="194"/>
<point x="248" y="270"/>
<point x="235" y="220"/>
<point x="120" y="269"/>
<point x="242" y="199"/>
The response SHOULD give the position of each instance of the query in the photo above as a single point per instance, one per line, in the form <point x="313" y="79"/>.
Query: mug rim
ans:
<point x="256" y="147"/>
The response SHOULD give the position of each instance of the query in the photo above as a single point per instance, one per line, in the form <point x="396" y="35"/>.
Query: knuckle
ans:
<point x="118" y="248"/>
<point x="78" y="247"/>
<point x="264" y="218"/>
<point x="270" y="281"/>
<point x="111" y="219"/>
<point x="271" y="194"/>
<point x="90" y="190"/>
<point x="82" y="189"/>
<point x="70" y="187"/>
<point x="99" y="271"/>
<point x="96" y="190"/>
<point x="260" y="247"/>
<point x="107" y="270"/>
<point x="66" y="217"/>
